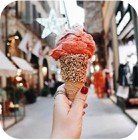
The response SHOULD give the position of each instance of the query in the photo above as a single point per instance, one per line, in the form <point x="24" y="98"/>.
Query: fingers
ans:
<point x="85" y="105"/>
<point x="61" y="102"/>
<point x="70" y="103"/>
<point x="83" y="113"/>
<point x="79" y="102"/>
<point x="61" y="87"/>
<point x="60" y="93"/>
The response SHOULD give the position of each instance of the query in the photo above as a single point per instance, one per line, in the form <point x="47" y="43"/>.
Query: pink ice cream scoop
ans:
<point x="74" y="41"/>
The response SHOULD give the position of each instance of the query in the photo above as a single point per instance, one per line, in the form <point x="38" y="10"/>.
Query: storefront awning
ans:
<point x="6" y="67"/>
<point x="23" y="64"/>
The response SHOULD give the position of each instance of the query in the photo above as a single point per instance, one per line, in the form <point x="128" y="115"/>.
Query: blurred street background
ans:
<point x="103" y="119"/>
<point x="29" y="77"/>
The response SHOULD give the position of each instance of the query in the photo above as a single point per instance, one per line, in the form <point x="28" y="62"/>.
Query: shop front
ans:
<point x="11" y="106"/>
<point x="121" y="33"/>
<point x="127" y="77"/>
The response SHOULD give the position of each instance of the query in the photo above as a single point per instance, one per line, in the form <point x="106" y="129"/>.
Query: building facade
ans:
<point x="121" y="32"/>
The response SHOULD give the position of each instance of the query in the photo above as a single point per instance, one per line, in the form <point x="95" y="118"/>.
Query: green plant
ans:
<point x="30" y="95"/>
<point x="45" y="91"/>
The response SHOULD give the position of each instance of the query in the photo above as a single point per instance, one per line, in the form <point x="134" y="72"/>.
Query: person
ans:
<point x="67" y="115"/>
<point x="51" y="84"/>
<point x="108" y="84"/>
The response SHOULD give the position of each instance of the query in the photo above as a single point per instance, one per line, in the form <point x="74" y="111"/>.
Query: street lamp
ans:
<point x="16" y="37"/>
<point x="97" y="67"/>
<point x="93" y="58"/>
<point x="44" y="71"/>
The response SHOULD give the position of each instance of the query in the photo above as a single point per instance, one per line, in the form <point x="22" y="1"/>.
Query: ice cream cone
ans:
<point x="73" y="49"/>
<point x="73" y="71"/>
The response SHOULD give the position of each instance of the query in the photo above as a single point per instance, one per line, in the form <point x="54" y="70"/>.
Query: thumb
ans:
<point x="79" y="101"/>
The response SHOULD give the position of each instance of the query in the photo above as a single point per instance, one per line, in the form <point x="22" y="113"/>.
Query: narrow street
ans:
<point x="44" y="43"/>
<point x="103" y="119"/>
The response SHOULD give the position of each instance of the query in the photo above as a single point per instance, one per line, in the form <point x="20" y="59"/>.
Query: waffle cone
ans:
<point x="72" y="89"/>
<point x="73" y="71"/>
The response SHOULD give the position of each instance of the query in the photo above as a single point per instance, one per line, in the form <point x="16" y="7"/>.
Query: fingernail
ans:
<point x="84" y="90"/>
<point x="83" y="113"/>
<point x="86" y="105"/>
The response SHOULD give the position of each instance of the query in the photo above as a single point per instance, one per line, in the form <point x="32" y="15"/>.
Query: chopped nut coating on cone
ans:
<point x="73" y="67"/>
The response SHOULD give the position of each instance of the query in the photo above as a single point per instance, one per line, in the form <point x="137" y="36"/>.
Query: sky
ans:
<point x="75" y="13"/>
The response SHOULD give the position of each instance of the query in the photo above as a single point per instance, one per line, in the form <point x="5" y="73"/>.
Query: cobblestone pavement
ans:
<point x="103" y="119"/>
